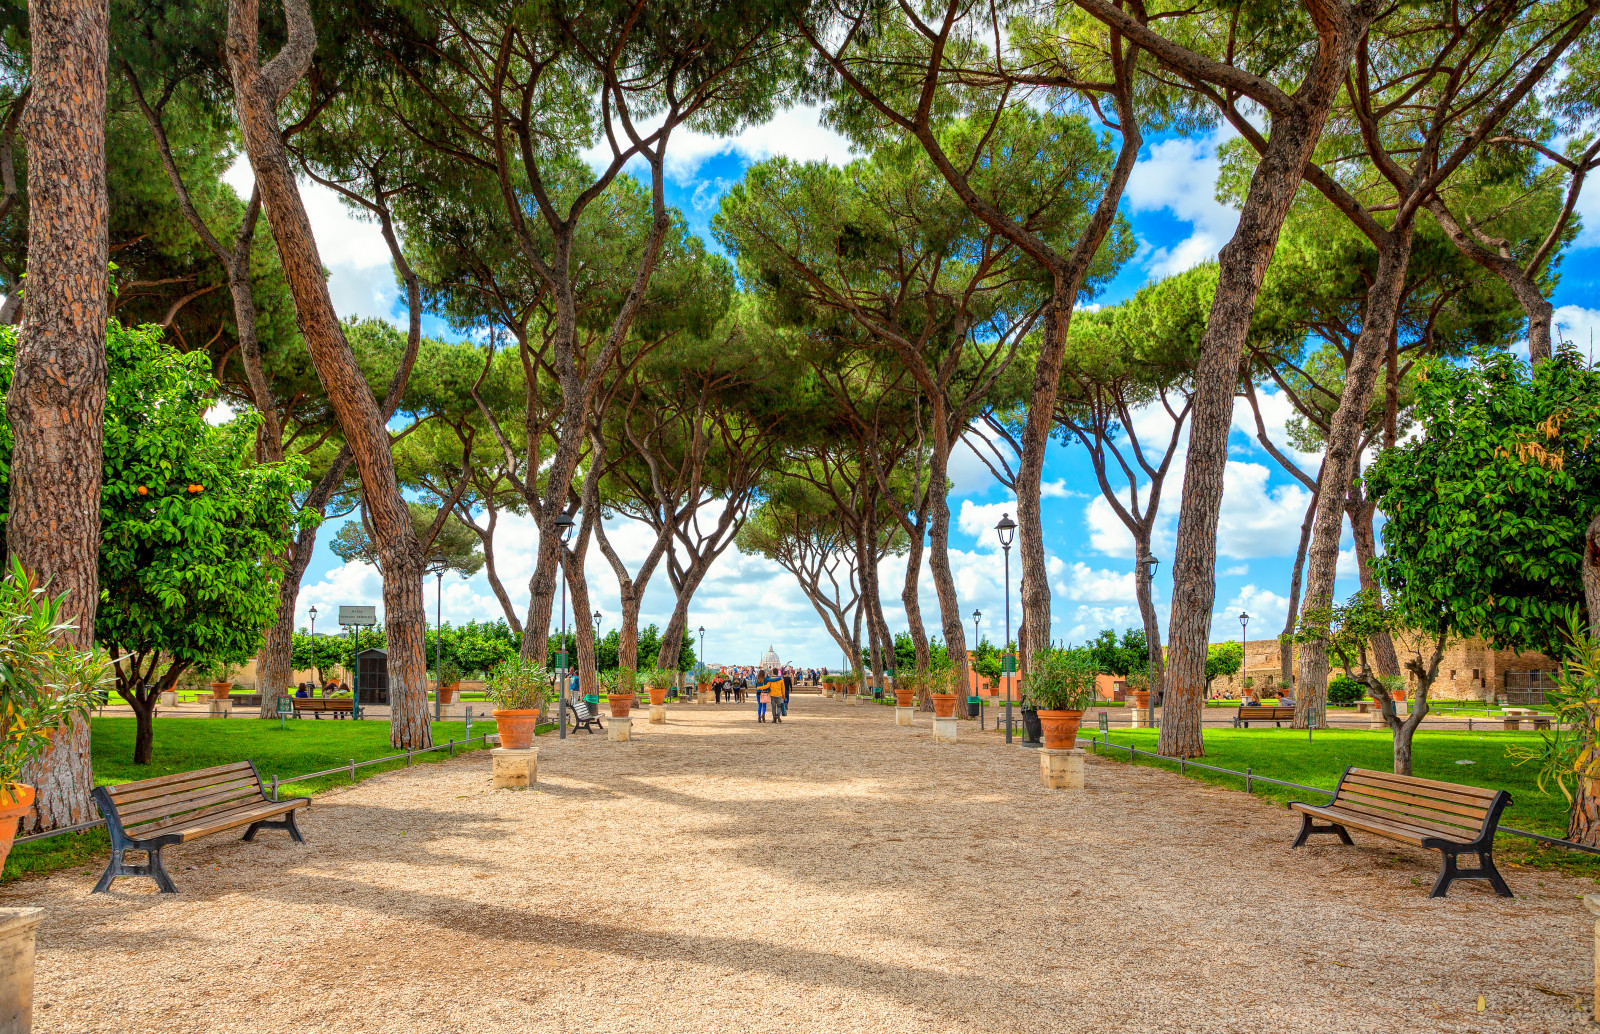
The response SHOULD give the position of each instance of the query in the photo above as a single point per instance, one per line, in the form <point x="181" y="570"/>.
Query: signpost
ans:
<point x="356" y="617"/>
<point x="285" y="709"/>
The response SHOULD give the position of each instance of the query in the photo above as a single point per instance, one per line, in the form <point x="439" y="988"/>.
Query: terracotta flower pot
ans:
<point x="657" y="696"/>
<point x="1059" y="729"/>
<point x="621" y="704"/>
<point x="15" y="800"/>
<point x="517" y="727"/>
<point x="905" y="697"/>
<point x="944" y="705"/>
<point x="447" y="694"/>
<point x="220" y="690"/>
<point x="1141" y="698"/>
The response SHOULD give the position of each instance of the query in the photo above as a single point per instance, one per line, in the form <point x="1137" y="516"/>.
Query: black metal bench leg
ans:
<point x="1308" y="828"/>
<point x="113" y="870"/>
<point x="1492" y="874"/>
<point x="1447" y="876"/>
<point x="285" y="823"/>
<point x="158" y="872"/>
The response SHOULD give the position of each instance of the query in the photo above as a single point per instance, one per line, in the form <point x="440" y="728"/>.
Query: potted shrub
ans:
<point x="1138" y="688"/>
<point x="519" y="691"/>
<point x="219" y="677"/>
<point x="944" y="683"/>
<point x="703" y="676"/>
<point x="449" y="682"/>
<point x="44" y="684"/>
<point x="906" y="686"/>
<point x="658" y="681"/>
<point x="1061" y="684"/>
<point x="620" y="684"/>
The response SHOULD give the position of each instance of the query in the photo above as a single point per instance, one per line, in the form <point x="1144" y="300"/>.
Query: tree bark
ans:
<point x="1342" y="459"/>
<point x="258" y="90"/>
<point x="1296" y="126"/>
<point x="911" y="598"/>
<point x="58" y="388"/>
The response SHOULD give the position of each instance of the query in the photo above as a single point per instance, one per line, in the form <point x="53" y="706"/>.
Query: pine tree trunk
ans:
<point x="1152" y="626"/>
<point x="486" y="536"/>
<point x="1286" y="639"/>
<point x="257" y="91"/>
<point x="911" y="598"/>
<point x="944" y="583"/>
<point x="1342" y="458"/>
<point x="58" y="388"/>
<point x="1243" y="263"/>
<point x="1033" y="633"/>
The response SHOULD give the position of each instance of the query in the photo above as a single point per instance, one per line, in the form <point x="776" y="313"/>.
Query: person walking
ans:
<point x="776" y="694"/>
<point x="788" y="691"/>
<point x="763" y="698"/>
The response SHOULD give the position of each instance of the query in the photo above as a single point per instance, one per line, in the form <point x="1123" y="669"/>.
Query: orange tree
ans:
<point x="189" y="522"/>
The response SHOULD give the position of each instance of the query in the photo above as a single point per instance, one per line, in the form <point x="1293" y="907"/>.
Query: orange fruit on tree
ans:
<point x="143" y="490"/>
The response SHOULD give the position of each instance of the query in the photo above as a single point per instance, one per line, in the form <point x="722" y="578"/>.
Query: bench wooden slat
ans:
<point x="140" y="810"/>
<point x="129" y="792"/>
<point x="1474" y="812"/>
<point x="165" y="825"/>
<point x="217" y="823"/>
<point x="1423" y="785"/>
<point x="1443" y="829"/>
<point x="147" y="800"/>
<point x="1364" y="822"/>
<point x="1421" y="794"/>
<point x="180" y="810"/>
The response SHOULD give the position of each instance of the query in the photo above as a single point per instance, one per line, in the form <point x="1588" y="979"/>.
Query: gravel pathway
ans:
<point x="834" y="874"/>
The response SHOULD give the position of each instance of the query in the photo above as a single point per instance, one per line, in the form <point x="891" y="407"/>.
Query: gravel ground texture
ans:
<point x="834" y="873"/>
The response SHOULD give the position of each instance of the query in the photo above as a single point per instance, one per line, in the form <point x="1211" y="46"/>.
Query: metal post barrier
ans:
<point x="274" y="787"/>
<point x="1248" y="786"/>
<point x="408" y="757"/>
<point x="352" y="771"/>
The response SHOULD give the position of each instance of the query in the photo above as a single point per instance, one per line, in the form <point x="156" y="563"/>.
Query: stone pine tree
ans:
<point x="258" y="90"/>
<point x="58" y="382"/>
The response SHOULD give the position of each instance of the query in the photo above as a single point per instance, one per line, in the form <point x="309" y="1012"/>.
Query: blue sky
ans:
<point x="747" y="603"/>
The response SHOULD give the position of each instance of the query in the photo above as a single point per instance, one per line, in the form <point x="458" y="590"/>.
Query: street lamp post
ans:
<point x="701" y="658"/>
<point x="1006" y="529"/>
<point x="436" y="565"/>
<point x="1244" y="627"/>
<point x="316" y="673"/>
<point x="564" y="526"/>
<point x="977" y="616"/>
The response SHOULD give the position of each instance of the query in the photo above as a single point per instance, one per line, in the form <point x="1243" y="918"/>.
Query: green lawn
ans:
<point x="1285" y="754"/>
<point x="183" y="744"/>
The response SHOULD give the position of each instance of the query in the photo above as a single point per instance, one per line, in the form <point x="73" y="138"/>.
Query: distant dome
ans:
<point x="770" y="659"/>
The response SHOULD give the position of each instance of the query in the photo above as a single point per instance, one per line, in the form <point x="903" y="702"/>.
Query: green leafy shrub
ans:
<point x="1345" y="690"/>
<point x="1062" y="680"/>
<point x="515" y="685"/>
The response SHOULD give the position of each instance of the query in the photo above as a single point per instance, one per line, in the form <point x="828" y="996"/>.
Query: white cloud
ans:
<point x="360" y="281"/>
<point x="1573" y="322"/>
<point x="795" y="132"/>
<point x="1237" y="570"/>
<point x="1097" y="586"/>
<point x="1180" y="176"/>
<point x="1267" y="612"/>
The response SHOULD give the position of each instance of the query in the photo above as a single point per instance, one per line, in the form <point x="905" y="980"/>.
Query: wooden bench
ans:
<point x="1515" y="716"/>
<point x="155" y="813"/>
<point x="582" y="717"/>
<point x="1435" y="816"/>
<point x="336" y="707"/>
<point x="1277" y="714"/>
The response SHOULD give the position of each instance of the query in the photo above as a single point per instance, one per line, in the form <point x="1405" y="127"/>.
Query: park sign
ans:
<point x="358" y="615"/>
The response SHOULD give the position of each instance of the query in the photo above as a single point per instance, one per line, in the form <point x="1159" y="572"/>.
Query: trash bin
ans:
<point x="974" y="707"/>
<point x="1031" y="729"/>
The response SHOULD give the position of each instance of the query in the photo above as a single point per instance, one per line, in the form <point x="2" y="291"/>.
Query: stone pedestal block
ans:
<point x="1136" y="718"/>
<point x="658" y="714"/>
<point x="904" y="715"/>
<point x="620" y="730"/>
<point x="1061" y="769"/>
<point x="169" y="698"/>
<point x="944" y="729"/>
<point x="706" y="697"/>
<point x="17" y="929"/>
<point x="221" y="708"/>
<point x="515" y="768"/>
<point x="854" y="699"/>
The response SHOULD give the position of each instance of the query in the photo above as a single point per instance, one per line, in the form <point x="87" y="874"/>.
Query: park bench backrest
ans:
<point x="149" y="805"/>
<point x="1266" y="712"/>
<point x="580" y="709"/>
<point x="1451" y="810"/>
